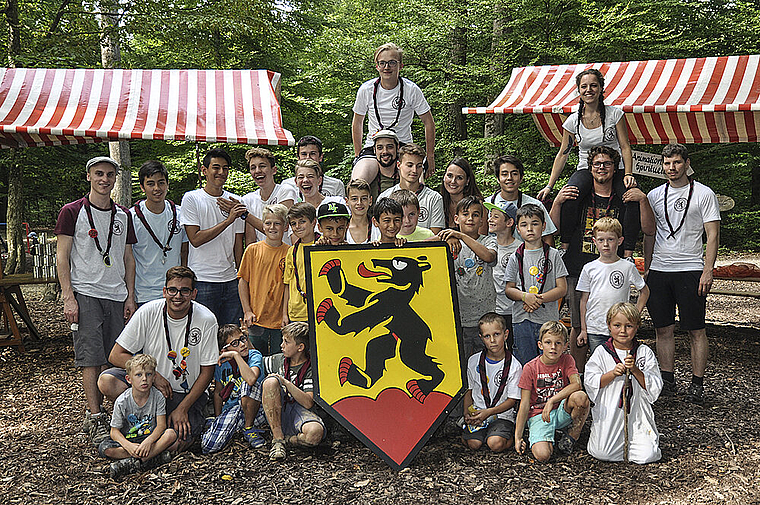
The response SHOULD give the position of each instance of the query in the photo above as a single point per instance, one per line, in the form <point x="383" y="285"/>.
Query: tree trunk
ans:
<point x="16" y="263"/>
<point x="458" y="65"/>
<point x="110" y="56"/>
<point x="494" y="123"/>
<point x="755" y="171"/>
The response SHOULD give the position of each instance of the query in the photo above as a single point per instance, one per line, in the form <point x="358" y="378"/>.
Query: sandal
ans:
<point x="277" y="452"/>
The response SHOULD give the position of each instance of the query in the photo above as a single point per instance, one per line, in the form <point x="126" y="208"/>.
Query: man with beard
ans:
<point x="631" y="209"/>
<point x="386" y="152"/>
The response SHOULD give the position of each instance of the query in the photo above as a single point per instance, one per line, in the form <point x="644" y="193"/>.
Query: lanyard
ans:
<point x="520" y="254"/>
<point x="295" y="265"/>
<point x="685" y="210"/>
<point x="94" y="233"/>
<point x="611" y="350"/>
<point x="484" y="379"/>
<point x="172" y="228"/>
<point x="180" y="370"/>
<point x="609" y="202"/>
<point x="398" y="110"/>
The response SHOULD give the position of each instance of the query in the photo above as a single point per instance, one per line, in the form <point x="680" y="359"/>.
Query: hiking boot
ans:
<point x="696" y="394"/>
<point x="253" y="437"/>
<point x="278" y="452"/>
<point x="99" y="428"/>
<point x="565" y="443"/>
<point x="125" y="467"/>
<point x="669" y="389"/>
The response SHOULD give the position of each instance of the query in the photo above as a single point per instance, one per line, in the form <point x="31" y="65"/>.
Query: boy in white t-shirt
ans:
<point x="605" y="282"/>
<point x="161" y="241"/>
<point x="492" y="377"/>
<point x="262" y="165"/>
<point x="214" y="221"/>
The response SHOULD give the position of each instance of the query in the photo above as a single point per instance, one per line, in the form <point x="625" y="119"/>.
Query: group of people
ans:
<point x="220" y="283"/>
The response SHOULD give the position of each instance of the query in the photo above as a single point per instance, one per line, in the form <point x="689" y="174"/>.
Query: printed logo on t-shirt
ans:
<point x="504" y="261"/>
<point x="282" y="265"/>
<point x="640" y="362"/>
<point x="398" y="103"/>
<point x="540" y="265"/>
<point x="175" y="227"/>
<point x="609" y="134"/>
<point x="548" y="385"/>
<point x="194" y="337"/>
<point x="423" y="213"/>
<point x="680" y="205"/>
<point x="224" y="212"/>
<point x="616" y="279"/>
<point x="118" y="227"/>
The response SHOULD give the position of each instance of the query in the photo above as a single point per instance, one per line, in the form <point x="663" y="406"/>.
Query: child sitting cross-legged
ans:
<point x="138" y="425"/>
<point x="551" y="397"/>
<point x="604" y="381"/>
<point x="492" y="376"/>
<point x="288" y="394"/>
<point x="235" y="378"/>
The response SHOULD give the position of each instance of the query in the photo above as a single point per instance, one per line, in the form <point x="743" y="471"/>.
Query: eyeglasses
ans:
<point x="388" y="64"/>
<point x="172" y="291"/>
<point x="235" y="342"/>
<point x="600" y="164"/>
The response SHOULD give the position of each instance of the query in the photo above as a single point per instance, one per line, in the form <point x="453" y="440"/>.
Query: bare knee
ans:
<point x="110" y="386"/>
<point x="312" y="433"/>
<point x="498" y="444"/>
<point x="472" y="444"/>
<point x="542" y="451"/>
<point x="579" y="399"/>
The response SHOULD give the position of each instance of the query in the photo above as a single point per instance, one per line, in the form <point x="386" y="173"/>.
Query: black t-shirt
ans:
<point x="582" y="249"/>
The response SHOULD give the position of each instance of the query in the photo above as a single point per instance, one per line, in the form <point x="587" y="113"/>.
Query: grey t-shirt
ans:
<point x="135" y="422"/>
<point x="535" y="258"/>
<point x="475" y="287"/>
<point x="503" y="304"/>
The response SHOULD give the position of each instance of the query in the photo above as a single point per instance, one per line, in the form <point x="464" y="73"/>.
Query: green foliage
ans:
<point x="740" y="230"/>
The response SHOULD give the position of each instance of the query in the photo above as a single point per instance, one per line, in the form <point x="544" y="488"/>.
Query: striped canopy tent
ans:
<point x="45" y="107"/>
<point x="693" y="100"/>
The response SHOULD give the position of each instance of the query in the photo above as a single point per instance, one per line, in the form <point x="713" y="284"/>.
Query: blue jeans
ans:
<point x="595" y="340"/>
<point x="266" y="340"/>
<point x="526" y="340"/>
<point x="222" y="299"/>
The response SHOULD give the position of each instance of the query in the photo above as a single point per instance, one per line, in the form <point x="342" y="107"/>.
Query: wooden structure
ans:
<point x="12" y="302"/>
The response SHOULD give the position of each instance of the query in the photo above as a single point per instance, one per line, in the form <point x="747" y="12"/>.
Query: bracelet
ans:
<point x="628" y="175"/>
<point x="523" y="297"/>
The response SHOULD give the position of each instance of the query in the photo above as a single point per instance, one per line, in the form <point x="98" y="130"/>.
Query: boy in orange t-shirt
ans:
<point x="260" y="283"/>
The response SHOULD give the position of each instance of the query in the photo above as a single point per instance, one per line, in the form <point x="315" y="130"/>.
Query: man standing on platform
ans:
<point x="96" y="270"/>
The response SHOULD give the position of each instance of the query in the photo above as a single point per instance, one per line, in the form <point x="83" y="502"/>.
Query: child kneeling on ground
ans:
<point x="288" y="394"/>
<point x="492" y="376"/>
<point x="551" y="397"/>
<point x="605" y="377"/>
<point x="138" y="425"/>
<point x="236" y="376"/>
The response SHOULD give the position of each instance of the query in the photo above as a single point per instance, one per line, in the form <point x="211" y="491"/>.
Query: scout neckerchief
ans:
<point x="226" y="391"/>
<point x="484" y="379"/>
<point x="94" y="233"/>
<point x="298" y="382"/>
<point x="611" y="350"/>
<point x="295" y="265"/>
<point x="398" y="110"/>
<point x="540" y="276"/>
<point x="179" y="371"/>
<point x="519" y="198"/>
<point x="685" y="210"/>
<point x="172" y="228"/>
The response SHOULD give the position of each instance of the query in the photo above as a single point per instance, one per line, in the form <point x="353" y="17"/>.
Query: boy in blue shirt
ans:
<point x="235" y="378"/>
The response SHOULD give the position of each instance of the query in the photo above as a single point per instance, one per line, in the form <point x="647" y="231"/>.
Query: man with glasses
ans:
<point x="181" y="334"/>
<point x="631" y="209"/>
<point x="390" y="103"/>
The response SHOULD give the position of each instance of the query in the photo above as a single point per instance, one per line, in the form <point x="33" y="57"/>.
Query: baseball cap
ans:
<point x="332" y="209"/>
<point x="385" y="134"/>
<point x="507" y="208"/>
<point x="102" y="159"/>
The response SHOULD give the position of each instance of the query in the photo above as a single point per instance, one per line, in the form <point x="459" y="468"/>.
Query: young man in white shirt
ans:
<point x="161" y="240"/>
<point x="677" y="272"/>
<point x="214" y="221"/>
<point x="309" y="147"/>
<point x="96" y="270"/>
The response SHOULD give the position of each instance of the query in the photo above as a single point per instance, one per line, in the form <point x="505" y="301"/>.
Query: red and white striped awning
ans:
<point x="694" y="100"/>
<point x="44" y="107"/>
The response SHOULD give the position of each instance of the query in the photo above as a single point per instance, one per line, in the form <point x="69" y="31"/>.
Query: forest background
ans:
<point x="461" y="53"/>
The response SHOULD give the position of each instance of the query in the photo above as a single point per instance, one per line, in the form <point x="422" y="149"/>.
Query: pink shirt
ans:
<point x="545" y="381"/>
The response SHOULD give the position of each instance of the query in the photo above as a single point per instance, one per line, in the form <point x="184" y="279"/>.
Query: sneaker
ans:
<point x="125" y="467"/>
<point x="669" y="388"/>
<point x="87" y="422"/>
<point x="99" y="427"/>
<point x="696" y="394"/>
<point x="565" y="443"/>
<point x="253" y="436"/>
<point x="278" y="452"/>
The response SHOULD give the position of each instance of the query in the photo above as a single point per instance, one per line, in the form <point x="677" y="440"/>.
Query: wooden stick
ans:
<point x="626" y="386"/>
